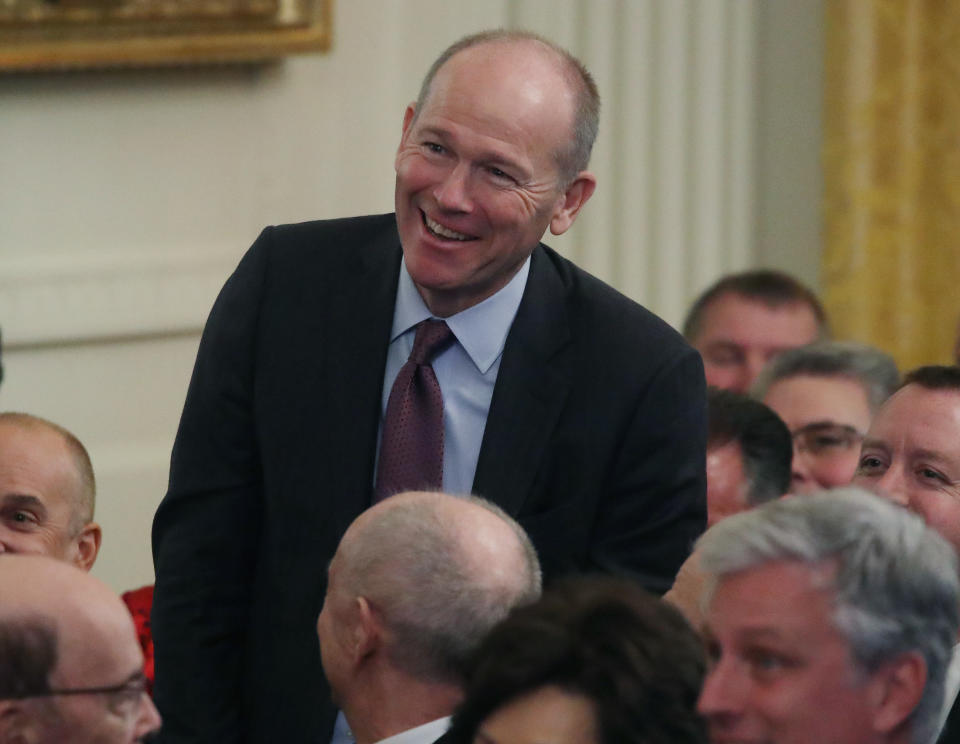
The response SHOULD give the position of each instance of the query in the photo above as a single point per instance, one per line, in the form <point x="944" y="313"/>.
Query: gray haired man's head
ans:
<point x="874" y="370"/>
<point x="441" y="570"/>
<point x="893" y="581"/>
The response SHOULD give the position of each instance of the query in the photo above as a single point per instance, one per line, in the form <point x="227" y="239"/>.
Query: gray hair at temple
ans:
<point x="895" y="580"/>
<point x="586" y="121"/>
<point x="874" y="370"/>
<point x="416" y="567"/>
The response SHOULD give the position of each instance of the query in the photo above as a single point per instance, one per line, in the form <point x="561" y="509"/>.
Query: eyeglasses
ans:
<point x="129" y="691"/>
<point x="825" y="439"/>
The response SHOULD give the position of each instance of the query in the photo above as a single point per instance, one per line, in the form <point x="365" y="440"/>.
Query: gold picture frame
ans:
<point x="72" y="34"/>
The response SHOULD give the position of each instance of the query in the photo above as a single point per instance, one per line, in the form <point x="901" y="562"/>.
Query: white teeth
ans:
<point x="436" y="227"/>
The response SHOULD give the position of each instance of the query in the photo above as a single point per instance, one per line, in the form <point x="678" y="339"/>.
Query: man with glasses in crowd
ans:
<point x="71" y="670"/>
<point x="827" y="393"/>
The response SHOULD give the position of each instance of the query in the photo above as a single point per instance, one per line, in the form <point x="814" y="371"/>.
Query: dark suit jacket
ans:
<point x="595" y="440"/>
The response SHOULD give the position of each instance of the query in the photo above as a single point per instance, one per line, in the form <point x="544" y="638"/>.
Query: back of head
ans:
<point x="764" y="440"/>
<point x="632" y="655"/>
<point x="587" y="107"/>
<point x="895" y="580"/>
<point x="874" y="370"/>
<point x="766" y="286"/>
<point x="442" y="570"/>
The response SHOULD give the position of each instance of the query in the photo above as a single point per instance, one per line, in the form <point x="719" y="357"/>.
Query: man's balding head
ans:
<point x="443" y="569"/>
<point x="71" y="669"/>
<point x="586" y="121"/>
<point x="47" y="491"/>
<point x="416" y="583"/>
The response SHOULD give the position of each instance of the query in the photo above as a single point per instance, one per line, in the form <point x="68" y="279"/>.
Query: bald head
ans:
<point x="46" y="491"/>
<point x="442" y="569"/>
<point x="571" y="72"/>
<point x="62" y="630"/>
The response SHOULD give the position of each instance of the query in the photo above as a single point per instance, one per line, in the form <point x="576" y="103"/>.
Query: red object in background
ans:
<point x="139" y="601"/>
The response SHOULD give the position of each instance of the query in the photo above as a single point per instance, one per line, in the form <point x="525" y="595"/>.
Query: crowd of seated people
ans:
<point x="538" y="674"/>
<point x="497" y="675"/>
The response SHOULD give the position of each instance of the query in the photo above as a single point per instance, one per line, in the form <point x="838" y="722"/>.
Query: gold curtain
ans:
<point x="891" y="266"/>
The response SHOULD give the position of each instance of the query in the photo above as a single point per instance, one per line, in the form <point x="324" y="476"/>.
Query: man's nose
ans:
<point x="453" y="192"/>
<point x="723" y="690"/>
<point x="801" y="474"/>
<point x="148" y="718"/>
<point x="892" y="486"/>
<point x="753" y="366"/>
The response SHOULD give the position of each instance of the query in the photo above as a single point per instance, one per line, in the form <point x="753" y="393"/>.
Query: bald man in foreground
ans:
<point x="71" y="670"/>
<point x="416" y="584"/>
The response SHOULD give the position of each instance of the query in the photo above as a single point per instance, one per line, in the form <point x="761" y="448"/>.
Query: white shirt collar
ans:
<point x="481" y="329"/>
<point x="423" y="734"/>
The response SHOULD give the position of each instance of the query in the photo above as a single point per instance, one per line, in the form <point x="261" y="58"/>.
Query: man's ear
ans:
<point x="899" y="687"/>
<point x="571" y="202"/>
<point x="408" y="115"/>
<point x="87" y="546"/>
<point x="367" y="630"/>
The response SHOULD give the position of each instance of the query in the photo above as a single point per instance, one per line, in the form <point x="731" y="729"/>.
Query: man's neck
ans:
<point x="390" y="706"/>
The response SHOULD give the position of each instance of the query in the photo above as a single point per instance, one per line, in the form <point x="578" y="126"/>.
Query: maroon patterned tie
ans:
<point x="411" y="445"/>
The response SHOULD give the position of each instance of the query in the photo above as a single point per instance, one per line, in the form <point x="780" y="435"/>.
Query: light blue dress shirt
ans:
<point x="466" y="370"/>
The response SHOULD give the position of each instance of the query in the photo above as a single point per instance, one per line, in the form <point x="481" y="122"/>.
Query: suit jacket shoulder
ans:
<point x="596" y="432"/>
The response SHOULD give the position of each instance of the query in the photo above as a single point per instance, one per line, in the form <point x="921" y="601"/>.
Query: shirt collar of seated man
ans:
<point x="46" y="492"/>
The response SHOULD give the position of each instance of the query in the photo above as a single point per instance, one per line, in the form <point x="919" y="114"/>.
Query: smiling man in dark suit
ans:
<point x="568" y="405"/>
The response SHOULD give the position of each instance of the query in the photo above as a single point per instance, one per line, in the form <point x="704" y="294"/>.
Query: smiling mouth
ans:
<point x="439" y="231"/>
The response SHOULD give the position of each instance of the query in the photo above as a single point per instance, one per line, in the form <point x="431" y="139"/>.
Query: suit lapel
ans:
<point x="361" y="298"/>
<point x="532" y="386"/>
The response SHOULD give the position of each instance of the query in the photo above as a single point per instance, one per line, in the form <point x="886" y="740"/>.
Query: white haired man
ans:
<point x="831" y="618"/>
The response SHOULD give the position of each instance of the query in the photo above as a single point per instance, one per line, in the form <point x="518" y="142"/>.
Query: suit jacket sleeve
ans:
<point x="654" y="506"/>
<point x="205" y="532"/>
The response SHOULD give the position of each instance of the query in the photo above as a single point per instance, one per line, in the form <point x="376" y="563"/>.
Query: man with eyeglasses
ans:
<point x="71" y="669"/>
<point x="826" y="393"/>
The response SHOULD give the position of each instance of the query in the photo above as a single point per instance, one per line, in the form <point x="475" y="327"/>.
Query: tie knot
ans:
<point x="432" y="337"/>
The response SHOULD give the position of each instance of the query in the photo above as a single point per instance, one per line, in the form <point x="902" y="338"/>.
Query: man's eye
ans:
<point x="502" y="175"/>
<point x="869" y="464"/>
<point x="827" y="442"/>
<point x="931" y="474"/>
<point x="725" y="357"/>
<point x="434" y="148"/>
<point x="766" y="663"/>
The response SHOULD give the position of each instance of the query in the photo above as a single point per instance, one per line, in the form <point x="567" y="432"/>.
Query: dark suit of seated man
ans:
<point x="571" y="407"/>
<point x="414" y="587"/>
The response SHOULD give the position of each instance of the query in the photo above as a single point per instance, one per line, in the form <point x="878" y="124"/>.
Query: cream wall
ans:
<point x="127" y="197"/>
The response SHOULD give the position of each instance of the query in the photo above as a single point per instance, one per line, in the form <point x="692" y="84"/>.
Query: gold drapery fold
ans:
<point x="891" y="264"/>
